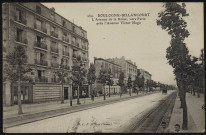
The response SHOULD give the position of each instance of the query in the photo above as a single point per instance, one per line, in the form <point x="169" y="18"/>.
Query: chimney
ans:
<point x="52" y="9"/>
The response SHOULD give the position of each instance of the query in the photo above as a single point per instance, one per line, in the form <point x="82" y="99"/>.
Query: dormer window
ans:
<point x="52" y="16"/>
<point x="63" y="23"/>
<point x="73" y="28"/>
<point x="38" y="9"/>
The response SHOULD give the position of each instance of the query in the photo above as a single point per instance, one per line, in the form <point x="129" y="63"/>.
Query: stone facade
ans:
<point x="107" y="64"/>
<point x="47" y="37"/>
<point x="128" y="67"/>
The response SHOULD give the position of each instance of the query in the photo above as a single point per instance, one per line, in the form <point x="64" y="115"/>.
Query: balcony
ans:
<point x="65" y="53"/>
<point x="55" y="50"/>
<point x="54" y="34"/>
<point x="66" y="67"/>
<point x="23" y="41"/>
<point x="84" y="47"/>
<point x="22" y="20"/>
<point x="40" y="45"/>
<point x="77" y="44"/>
<point x="84" y="58"/>
<point x="41" y="28"/>
<point x="41" y="79"/>
<point x="65" y="39"/>
<point x="41" y="62"/>
<point x="55" y="65"/>
<point x="54" y="80"/>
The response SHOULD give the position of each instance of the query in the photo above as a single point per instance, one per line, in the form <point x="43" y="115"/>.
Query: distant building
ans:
<point x="107" y="64"/>
<point x="145" y="74"/>
<point x="47" y="37"/>
<point x="129" y="68"/>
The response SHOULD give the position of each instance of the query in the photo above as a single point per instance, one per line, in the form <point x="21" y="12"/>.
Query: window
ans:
<point x="38" y="23"/>
<point x="40" y="73"/>
<point x="19" y="14"/>
<point x="39" y="40"/>
<point x="73" y="28"/>
<point x="19" y="33"/>
<point x="38" y="9"/>
<point x="52" y="16"/>
<point x="73" y="40"/>
<point x="53" y="29"/>
<point x="63" y="23"/>
<point x="64" y="48"/>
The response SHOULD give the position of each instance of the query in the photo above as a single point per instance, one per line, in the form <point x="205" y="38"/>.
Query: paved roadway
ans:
<point x="109" y="118"/>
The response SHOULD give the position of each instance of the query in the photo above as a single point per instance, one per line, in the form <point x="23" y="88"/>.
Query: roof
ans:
<point x="106" y="61"/>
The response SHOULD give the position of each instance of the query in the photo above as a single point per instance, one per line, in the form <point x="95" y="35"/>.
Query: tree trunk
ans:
<point x="78" y="102"/>
<point x="109" y="90"/>
<point x="91" y="93"/>
<point x="198" y="92"/>
<point x="184" y="105"/>
<point x="130" y="92"/>
<point x="19" y="97"/>
<point x="104" y="93"/>
<point x="193" y="92"/>
<point x="120" y="94"/>
<point x="181" y="94"/>
<point x="62" y="101"/>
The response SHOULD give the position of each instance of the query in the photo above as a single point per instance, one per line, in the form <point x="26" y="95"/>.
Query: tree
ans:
<point x="129" y="84"/>
<point x="121" y="82"/>
<point x="91" y="77"/>
<point x="61" y="75"/>
<point x="142" y="83"/>
<point x="16" y="68"/>
<point x="78" y="75"/>
<point x="110" y="82"/>
<point x="103" y="77"/>
<point x="135" y="84"/>
<point x="171" y="20"/>
<point x="201" y="58"/>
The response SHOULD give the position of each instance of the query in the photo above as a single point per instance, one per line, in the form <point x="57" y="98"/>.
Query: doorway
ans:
<point x="66" y="93"/>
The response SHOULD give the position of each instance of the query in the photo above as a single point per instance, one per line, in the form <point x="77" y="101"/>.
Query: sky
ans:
<point x="144" y="44"/>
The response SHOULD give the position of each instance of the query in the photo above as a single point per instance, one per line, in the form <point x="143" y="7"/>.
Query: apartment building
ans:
<point x="128" y="67"/>
<point x="107" y="64"/>
<point x="47" y="37"/>
<point x="145" y="74"/>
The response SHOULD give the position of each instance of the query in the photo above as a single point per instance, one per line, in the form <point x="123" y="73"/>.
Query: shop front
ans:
<point x="26" y="93"/>
<point x="83" y="91"/>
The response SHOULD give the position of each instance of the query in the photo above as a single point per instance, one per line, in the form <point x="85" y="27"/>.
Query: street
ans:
<point x="108" y="118"/>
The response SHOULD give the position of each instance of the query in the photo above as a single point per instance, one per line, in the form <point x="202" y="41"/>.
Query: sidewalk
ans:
<point x="11" y="111"/>
<point x="196" y="115"/>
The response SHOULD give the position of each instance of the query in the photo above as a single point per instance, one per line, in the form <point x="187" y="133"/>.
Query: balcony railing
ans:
<point x="55" y="65"/>
<point x="66" y="67"/>
<point x="22" y="20"/>
<point x="40" y="45"/>
<point x="54" y="34"/>
<point x="84" y="47"/>
<point x="41" y="62"/>
<point x="41" y="28"/>
<point x="84" y="58"/>
<point x="65" y="39"/>
<point x="53" y="49"/>
<point x="41" y="79"/>
<point x="65" y="53"/>
<point x="54" y="80"/>
<point x="24" y="40"/>
<point x="77" y="44"/>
